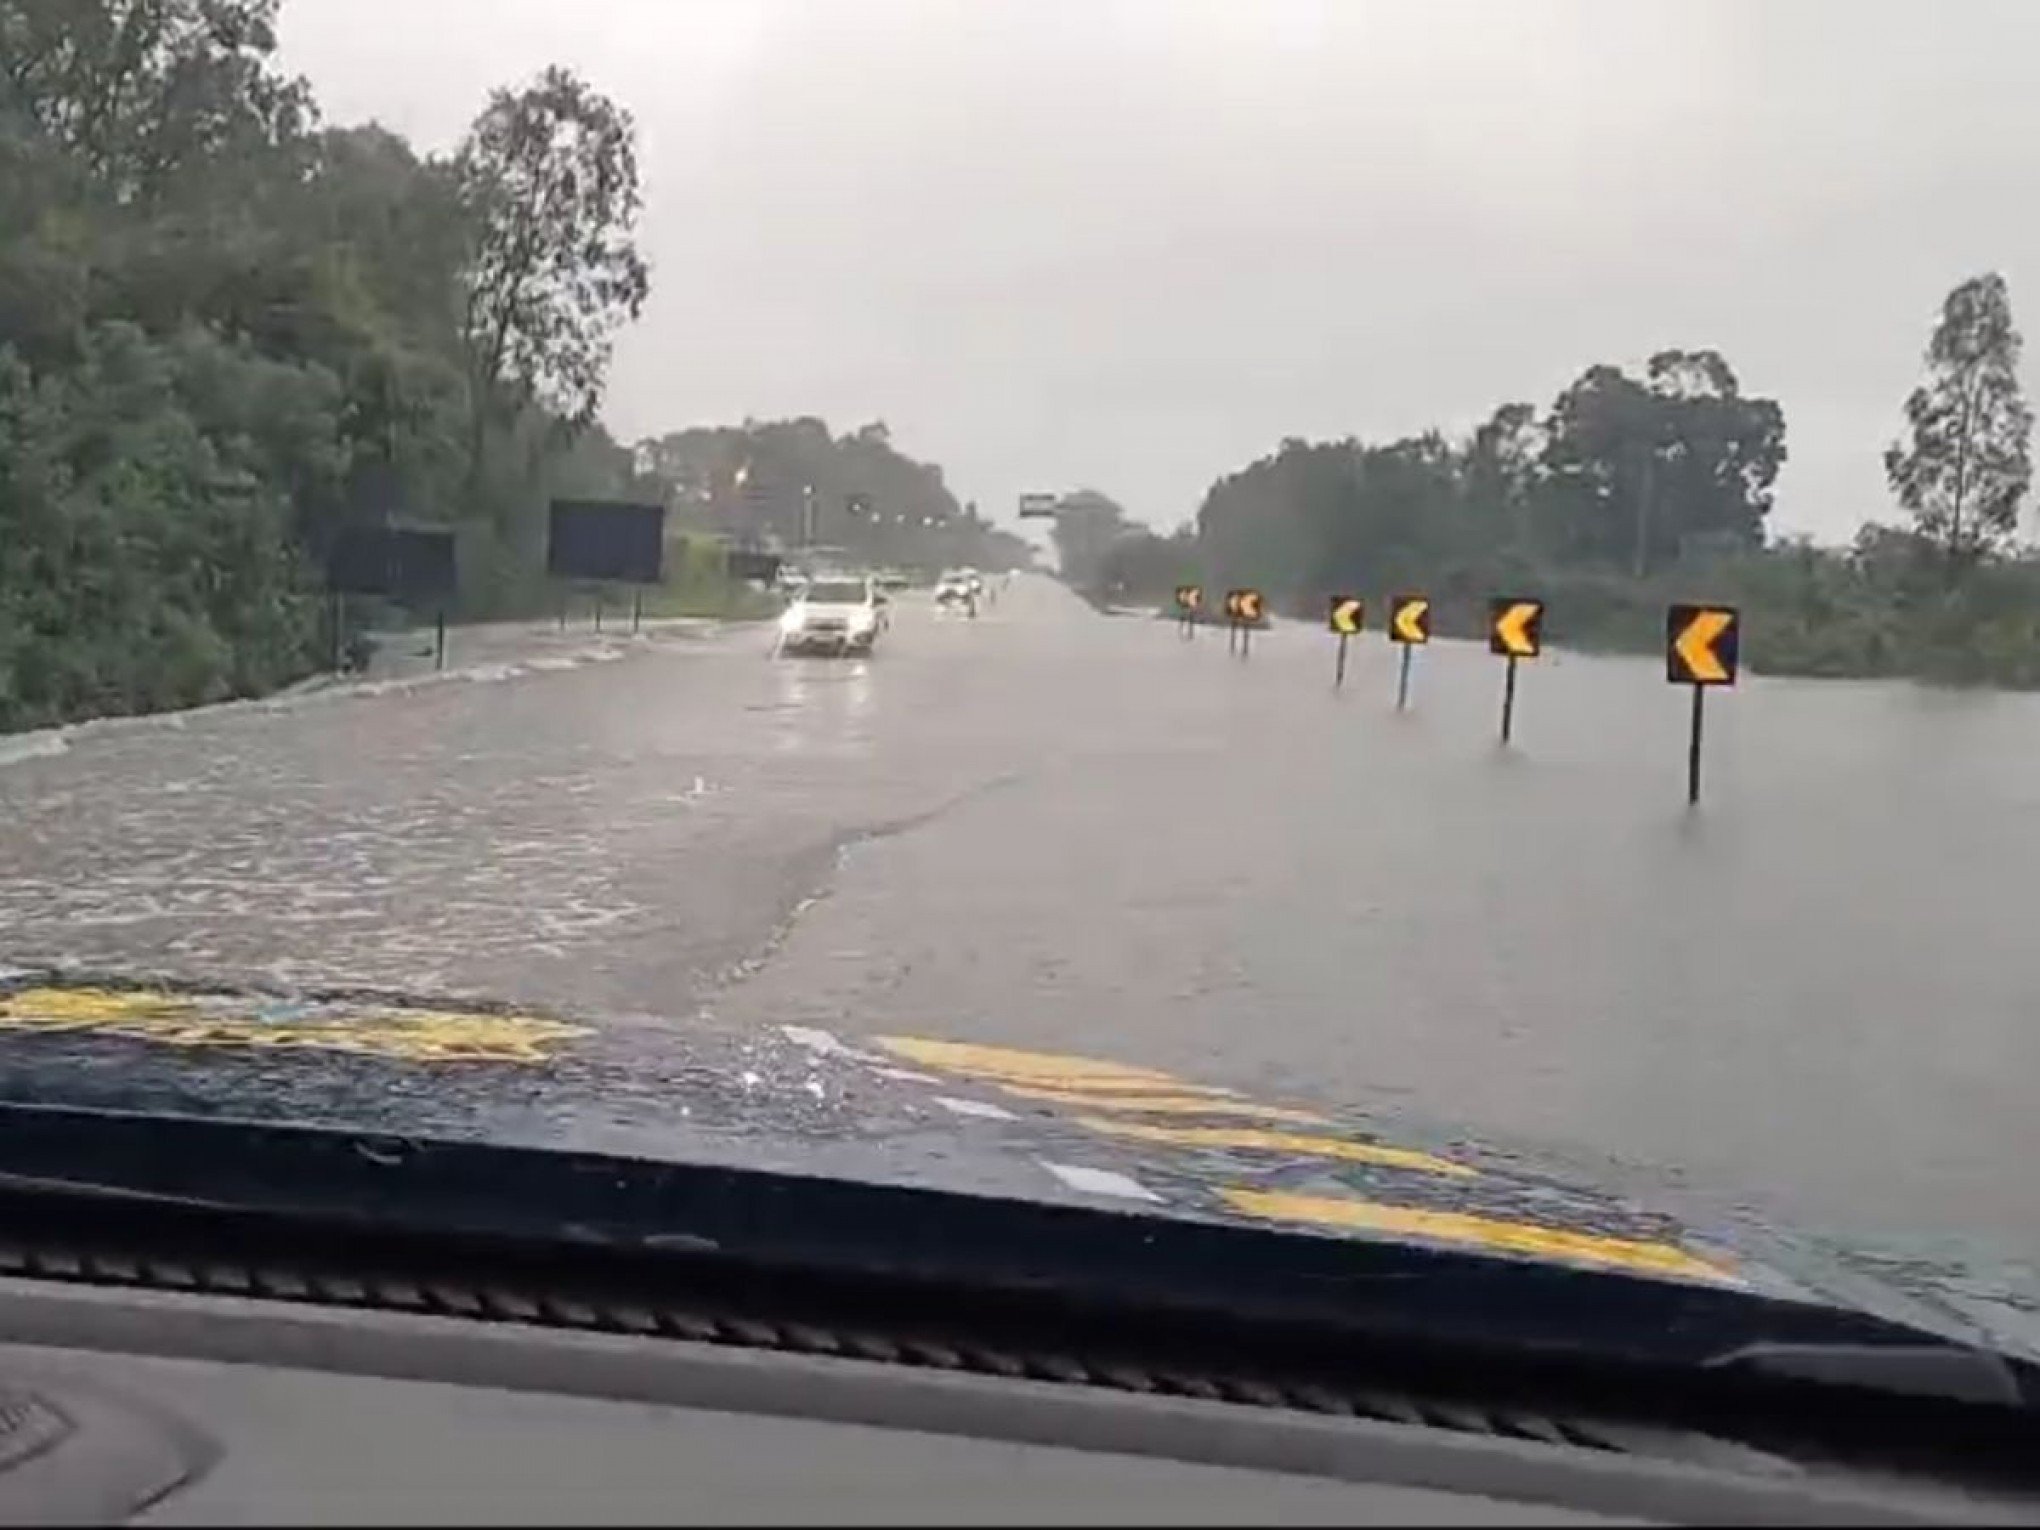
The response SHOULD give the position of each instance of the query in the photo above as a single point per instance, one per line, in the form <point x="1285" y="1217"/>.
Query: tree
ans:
<point x="224" y="333"/>
<point x="1719" y="455"/>
<point x="1968" y="463"/>
<point x="755" y="484"/>
<point x="1638" y="472"/>
<point x="549" y="177"/>
<point x="1502" y="468"/>
<point x="139" y="94"/>
<point x="1087" y="524"/>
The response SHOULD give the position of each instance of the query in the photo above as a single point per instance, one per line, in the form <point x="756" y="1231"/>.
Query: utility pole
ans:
<point x="1643" y="509"/>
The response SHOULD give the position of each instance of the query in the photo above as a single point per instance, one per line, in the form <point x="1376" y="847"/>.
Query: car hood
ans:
<point x="931" y="1114"/>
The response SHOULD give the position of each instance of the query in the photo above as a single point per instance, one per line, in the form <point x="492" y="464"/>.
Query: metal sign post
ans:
<point x="1345" y="618"/>
<point x="1515" y="631"/>
<point x="1693" y="746"/>
<point x="1409" y="624"/>
<point x="1243" y="609"/>
<point x="1702" y="649"/>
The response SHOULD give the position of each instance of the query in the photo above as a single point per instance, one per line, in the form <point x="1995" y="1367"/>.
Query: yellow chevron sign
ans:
<point x="1409" y="619"/>
<point x="1701" y="645"/>
<point x="1245" y="605"/>
<point x="1189" y="597"/>
<point x="1516" y="628"/>
<point x="1348" y="614"/>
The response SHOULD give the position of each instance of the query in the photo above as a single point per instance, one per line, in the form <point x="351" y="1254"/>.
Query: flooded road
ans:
<point x="1818" y="996"/>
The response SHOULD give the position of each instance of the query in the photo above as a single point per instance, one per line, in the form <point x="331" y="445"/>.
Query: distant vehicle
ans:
<point x="954" y="596"/>
<point x="892" y="580"/>
<point x="834" y="615"/>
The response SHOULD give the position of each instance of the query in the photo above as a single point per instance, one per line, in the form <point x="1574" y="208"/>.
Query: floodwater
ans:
<point x="1816" y="998"/>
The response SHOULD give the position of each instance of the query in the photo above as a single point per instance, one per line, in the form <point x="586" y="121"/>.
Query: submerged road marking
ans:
<point x="1008" y="1065"/>
<point x="982" y="1108"/>
<point x="823" y="1043"/>
<point x="259" y="1023"/>
<point x="1169" y="1104"/>
<point x="1486" y="1232"/>
<point x="1101" y="1182"/>
<point x="1300" y="1143"/>
<point x="1046" y="1070"/>
<point x="906" y="1075"/>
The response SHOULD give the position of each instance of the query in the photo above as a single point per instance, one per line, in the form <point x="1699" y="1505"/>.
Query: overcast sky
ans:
<point x="1132" y="244"/>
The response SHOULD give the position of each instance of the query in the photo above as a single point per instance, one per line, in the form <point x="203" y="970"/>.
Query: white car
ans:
<point x="839" y="616"/>
<point x="955" y="597"/>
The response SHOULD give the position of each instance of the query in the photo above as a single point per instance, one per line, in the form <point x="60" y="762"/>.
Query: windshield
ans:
<point x="1462" y="617"/>
<point x="836" y="592"/>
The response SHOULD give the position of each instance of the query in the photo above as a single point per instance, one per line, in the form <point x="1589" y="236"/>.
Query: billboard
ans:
<point x="401" y="562"/>
<point x="607" y="540"/>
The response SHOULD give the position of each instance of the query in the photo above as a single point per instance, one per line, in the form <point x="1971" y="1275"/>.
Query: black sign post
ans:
<point x="408" y="564"/>
<point x="1693" y="746"/>
<point x="1515" y="631"/>
<point x="606" y="541"/>
<point x="1702" y="649"/>
<point x="1243" y="609"/>
<point x="1409" y="624"/>
<point x="1345" y="618"/>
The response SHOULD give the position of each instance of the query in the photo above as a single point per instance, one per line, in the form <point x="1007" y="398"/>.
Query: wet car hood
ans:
<point x="997" y="1125"/>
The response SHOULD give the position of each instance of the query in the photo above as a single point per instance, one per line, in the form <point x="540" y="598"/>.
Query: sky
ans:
<point x="1133" y="244"/>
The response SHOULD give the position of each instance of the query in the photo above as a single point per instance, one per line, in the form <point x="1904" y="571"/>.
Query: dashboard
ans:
<point x="172" y="1408"/>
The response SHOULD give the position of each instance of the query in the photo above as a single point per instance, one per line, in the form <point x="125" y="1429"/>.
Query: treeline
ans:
<point x="784" y="484"/>
<point x="1628" y="492"/>
<point x="226" y="331"/>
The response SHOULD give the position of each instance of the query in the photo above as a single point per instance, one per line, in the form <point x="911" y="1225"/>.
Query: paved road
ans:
<point x="1050" y="828"/>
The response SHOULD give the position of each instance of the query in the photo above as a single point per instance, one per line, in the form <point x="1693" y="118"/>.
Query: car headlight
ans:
<point x="793" y="620"/>
<point x="864" y="621"/>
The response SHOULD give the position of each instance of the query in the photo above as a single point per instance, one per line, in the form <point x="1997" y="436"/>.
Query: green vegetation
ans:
<point x="789" y="483"/>
<point x="228" y="330"/>
<point x="698" y="584"/>
<point x="1629" y="493"/>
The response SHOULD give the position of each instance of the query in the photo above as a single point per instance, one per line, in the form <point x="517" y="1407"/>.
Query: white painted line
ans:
<point x="907" y="1075"/>
<point x="1101" y="1182"/>
<point x="822" y="1043"/>
<point x="975" y="1108"/>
